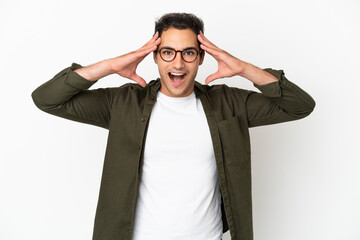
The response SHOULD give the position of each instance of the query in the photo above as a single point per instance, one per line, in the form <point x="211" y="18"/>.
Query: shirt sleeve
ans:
<point x="67" y="95"/>
<point x="279" y="101"/>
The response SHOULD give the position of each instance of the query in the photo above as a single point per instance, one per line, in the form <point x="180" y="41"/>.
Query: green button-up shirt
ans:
<point x="125" y="112"/>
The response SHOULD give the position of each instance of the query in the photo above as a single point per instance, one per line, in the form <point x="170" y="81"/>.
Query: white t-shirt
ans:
<point x="179" y="196"/>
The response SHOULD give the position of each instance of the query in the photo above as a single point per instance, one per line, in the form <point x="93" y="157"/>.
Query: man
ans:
<point x="177" y="164"/>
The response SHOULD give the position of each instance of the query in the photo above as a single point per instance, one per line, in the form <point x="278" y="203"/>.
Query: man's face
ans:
<point x="177" y="77"/>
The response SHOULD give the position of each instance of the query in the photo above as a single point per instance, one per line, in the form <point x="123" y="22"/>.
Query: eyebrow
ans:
<point x="167" y="47"/>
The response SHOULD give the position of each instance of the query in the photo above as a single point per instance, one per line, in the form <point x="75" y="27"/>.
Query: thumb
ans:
<point x="139" y="80"/>
<point x="212" y="77"/>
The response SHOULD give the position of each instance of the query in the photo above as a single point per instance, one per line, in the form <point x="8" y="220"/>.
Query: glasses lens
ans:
<point x="167" y="54"/>
<point x="189" y="55"/>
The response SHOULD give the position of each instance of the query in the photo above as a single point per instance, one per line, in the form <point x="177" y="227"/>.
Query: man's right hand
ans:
<point x="124" y="65"/>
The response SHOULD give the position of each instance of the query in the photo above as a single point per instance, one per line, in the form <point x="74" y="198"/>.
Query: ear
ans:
<point x="155" y="57"/>
<point x="202" y="57"/>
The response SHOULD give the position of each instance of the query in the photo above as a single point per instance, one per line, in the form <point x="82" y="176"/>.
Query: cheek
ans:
<point x="160" y="66"/>
<point x="162" y="69"/>
<point x="194" y="69"/>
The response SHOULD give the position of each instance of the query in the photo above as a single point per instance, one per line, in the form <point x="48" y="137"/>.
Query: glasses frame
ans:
<point x="180" y="51"/>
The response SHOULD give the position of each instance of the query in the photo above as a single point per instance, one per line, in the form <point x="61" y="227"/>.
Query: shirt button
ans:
<point x="139" y="147"/>
<point x="142" y="119"/>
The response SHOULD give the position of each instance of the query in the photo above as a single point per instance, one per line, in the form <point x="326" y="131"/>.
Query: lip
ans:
<point x="177" y="83"/>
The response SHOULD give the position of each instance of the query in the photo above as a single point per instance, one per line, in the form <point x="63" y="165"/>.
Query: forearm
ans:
<point x="96" y="71"/>
<point x="61" y="88"/>
<point x="279" y="101"/>
<point x="66" y="95"/>
<point x="256" y="75"/>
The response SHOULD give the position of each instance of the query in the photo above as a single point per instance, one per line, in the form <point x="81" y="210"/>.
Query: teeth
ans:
<point x="177" y="74"/>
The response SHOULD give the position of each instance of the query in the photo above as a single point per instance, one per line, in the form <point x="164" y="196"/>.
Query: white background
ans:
<point x="306" y="181"/>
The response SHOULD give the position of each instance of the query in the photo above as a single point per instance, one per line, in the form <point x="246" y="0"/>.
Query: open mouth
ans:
<point x="177" y="78"/>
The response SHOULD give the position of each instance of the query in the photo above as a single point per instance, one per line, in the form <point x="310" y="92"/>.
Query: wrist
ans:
<point x="95" y="71"/>
<point x="257" y="75"/>
<point x="244" y="68"/>
<point x="109" y="66"/>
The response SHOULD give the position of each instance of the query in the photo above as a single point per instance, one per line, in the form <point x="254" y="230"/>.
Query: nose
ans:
<point x="178" y="62"/>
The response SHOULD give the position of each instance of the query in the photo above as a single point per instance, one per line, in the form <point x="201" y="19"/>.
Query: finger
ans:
<point x="151" y="45"/>
<point x="202" y="40"/>
<point x="139" y="80"/>
<point x="157" y="41"/>
<point x="213" y="77"/>
<point x="145" y="51"/>
<point x="153" y="39"/>
<point x="206" y="41"/>
<point x="212" y="51"/>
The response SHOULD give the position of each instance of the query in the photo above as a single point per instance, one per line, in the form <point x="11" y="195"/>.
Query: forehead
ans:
<point x="178" y="38"/>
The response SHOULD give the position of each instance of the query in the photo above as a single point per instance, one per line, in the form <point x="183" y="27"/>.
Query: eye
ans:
<point x="167" y="52"/>
<point x="190" y="52"/>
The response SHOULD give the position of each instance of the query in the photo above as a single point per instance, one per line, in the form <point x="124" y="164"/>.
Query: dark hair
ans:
<point x="179" y="21"/>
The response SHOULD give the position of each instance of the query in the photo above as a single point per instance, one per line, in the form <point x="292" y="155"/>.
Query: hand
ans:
<point x="228" y="65"/>
<point x="126" y="65"/>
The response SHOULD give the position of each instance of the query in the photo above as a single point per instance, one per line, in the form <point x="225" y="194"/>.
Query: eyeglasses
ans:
<point x="188" y="55"/>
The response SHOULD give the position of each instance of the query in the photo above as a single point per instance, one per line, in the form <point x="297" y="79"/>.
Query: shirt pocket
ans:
<point x="235" y="141"/>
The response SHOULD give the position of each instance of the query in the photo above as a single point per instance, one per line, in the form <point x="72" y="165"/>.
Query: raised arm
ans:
<point x="66" y="94"/>
<point x="124" y="65"/>
<point x="280" y="100"/>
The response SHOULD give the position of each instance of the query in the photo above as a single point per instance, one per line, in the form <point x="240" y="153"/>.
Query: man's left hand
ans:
<point x="228" y="65"/>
